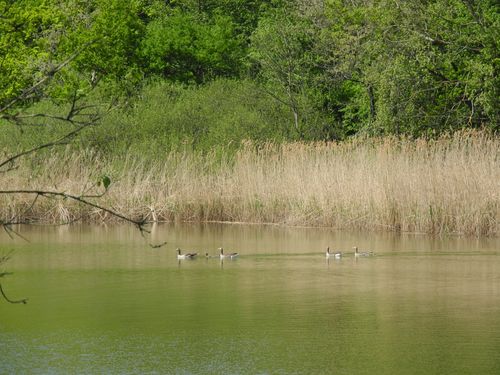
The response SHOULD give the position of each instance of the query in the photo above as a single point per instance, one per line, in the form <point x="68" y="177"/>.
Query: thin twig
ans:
<point x="59" y="142"/>
<point x="157" y="246"/>
<point x="5" y="258"/>
<point x="23" y="301"/>
<point x="25" y="211"/>
<point x="7" y="227"/>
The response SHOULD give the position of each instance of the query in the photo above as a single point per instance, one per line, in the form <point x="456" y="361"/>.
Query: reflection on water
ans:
<point x="103" y="301"/>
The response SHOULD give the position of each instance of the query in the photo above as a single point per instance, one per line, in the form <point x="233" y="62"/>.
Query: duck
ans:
<point x="229" y="256"/>
<point x="336" y="255"/>
<point x="357" y="253"/>
<point x="185" y="256"/>
<point x="208" y="256"/>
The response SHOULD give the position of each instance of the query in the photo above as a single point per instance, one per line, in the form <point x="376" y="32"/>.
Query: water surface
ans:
<point x="102" y="301"/>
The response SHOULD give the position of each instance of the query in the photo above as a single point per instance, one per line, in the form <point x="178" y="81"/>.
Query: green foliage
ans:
<point x="180" y="47"/>
<point x="284" y="61"/>
<point x="38" y="35"/>
<point x="166" y="117"/>
<point x="432" y="67"/>
<point x="227" y="70"/>
<point x="28" y="34"/>
<point x="244" y="14"/>
<point x="111" y="37"/>
<point x="106" y="182"/>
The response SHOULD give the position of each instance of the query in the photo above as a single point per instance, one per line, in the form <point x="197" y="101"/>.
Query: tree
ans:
<point x="35" y="35"/>
<point x="427" y="67"/>
<point x="183" y="47"/>
<point x="41" y="63"/>
<point x="281" y="49"/>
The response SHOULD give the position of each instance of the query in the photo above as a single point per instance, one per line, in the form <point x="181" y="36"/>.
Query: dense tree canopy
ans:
<point x="332" y="68"/>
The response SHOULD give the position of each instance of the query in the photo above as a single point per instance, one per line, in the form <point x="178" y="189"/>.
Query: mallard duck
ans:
<point x="357" y="253"/>
<point x="336" y="255"/>
<point x="229" y="256"/>
<point x="185" y="256"/>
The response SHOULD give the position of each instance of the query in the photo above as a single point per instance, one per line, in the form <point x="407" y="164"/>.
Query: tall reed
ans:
<point x="448" y="185"/>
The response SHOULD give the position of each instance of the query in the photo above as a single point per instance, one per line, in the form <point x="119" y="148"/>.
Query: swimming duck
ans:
<point x="185" y="256"/>
<point x="357" y="253"/>
<point x="336" y="255"/>
<point x="224" y="256"/>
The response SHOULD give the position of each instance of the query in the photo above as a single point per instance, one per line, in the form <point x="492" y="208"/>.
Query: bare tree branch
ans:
<point x="79" y="116"/>
<point x="58" y="142"/>
<point x="23" y="301"/>
<point x="4" y="259"/>
<point x="81" y="199"/>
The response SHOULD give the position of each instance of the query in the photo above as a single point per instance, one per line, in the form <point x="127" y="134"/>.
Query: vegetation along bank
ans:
<point x="349" y="114"/>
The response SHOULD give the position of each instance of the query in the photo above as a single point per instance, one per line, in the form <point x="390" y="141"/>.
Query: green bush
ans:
<point x="168" y="116"/>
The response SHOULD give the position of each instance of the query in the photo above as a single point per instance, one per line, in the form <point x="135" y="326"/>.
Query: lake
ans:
<point x="102" y="301"/>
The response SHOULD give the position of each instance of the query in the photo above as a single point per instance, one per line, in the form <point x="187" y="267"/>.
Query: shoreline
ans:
<point x="446" y="186"/>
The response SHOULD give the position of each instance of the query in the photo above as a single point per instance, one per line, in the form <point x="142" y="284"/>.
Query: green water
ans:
<point x="101" y="301"/>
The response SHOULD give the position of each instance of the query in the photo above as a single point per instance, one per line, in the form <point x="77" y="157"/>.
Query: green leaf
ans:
<point x="106" y="181"/>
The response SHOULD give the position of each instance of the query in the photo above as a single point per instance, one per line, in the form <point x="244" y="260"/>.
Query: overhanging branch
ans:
<point x="78" y="198"/>
<point x="58" y="142"/>
<point x="23" y="301"/>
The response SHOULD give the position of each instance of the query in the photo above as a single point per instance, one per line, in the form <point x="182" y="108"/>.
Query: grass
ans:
<point x="447" y="185"/>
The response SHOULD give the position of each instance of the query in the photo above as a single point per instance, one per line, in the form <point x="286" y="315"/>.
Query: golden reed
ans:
<point x="448" y="185"/>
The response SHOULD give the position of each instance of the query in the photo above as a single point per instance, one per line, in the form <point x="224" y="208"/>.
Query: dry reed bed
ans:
<point x="449" y="185"/>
